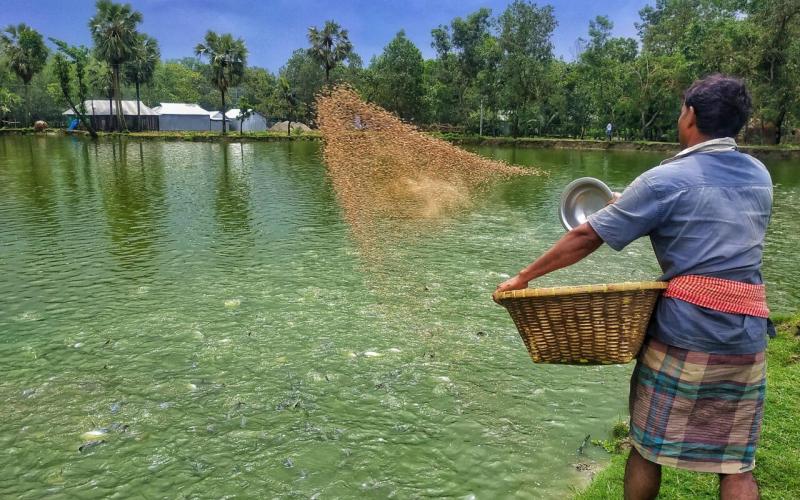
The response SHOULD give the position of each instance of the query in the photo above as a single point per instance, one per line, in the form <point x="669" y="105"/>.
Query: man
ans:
<point x="697" y="391"/>
<point x="609" y="129"/>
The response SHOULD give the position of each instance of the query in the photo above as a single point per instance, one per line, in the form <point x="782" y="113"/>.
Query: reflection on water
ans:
<point x="203" y="310"/>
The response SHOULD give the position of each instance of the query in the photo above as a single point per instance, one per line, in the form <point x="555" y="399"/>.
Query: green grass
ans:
<point x="763" y="152"/>
<point x="594" y="143"/>
<point x="778" y="456"/>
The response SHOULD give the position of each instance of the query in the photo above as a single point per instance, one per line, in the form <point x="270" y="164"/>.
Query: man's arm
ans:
<point x="572" y="247"/>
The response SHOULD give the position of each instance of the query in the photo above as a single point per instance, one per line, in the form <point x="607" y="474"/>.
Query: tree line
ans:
<point x="494" y="74"/>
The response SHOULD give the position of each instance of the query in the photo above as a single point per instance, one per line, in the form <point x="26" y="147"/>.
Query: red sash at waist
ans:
<point x="720" y="294"/>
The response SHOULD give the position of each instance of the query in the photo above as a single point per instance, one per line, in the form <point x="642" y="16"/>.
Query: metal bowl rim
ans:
<point x="571" y="187"/>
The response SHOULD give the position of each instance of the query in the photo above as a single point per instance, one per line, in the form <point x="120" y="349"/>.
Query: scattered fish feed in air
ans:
<point x="385" y="169"/>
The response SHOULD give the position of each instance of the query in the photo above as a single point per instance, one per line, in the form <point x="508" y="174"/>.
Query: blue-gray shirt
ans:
<point x="706" y="213"/>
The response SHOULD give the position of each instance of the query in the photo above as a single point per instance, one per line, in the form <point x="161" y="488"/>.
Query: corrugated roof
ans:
<point x="100" y="107"/>
<point x="180" y="108"/>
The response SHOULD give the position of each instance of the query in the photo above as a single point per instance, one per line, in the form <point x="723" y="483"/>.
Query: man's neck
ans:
<point x="710" y="145"/>
<point x="695" y="140"/>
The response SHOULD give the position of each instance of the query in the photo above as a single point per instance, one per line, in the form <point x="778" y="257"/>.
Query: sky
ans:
<point x="273" y="29"/>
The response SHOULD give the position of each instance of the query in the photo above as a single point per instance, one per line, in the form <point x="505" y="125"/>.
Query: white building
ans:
<point x="215" y="118"/>
<point x="182" y="116"/>
<point x="256" y="122"/>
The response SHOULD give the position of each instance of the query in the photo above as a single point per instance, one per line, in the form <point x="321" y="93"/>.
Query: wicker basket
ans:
<point x="594" y="324"/>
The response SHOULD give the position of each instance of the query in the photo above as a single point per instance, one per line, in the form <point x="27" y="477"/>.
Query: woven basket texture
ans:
<point x="593" y="324"/>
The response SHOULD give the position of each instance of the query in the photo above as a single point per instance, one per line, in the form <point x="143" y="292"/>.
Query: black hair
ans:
<point x="721" y="103"/>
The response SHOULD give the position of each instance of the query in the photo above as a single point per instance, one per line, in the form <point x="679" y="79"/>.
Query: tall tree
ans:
<point x="397" y="78"/>
<point x="113" y="30"/>
<point x="8" y="101"/>
<point x="777" y="24"/>
<point x="753" y="39"/>
<point x="74" y="60"/>
<point x="176" y="82"/>
<point x="305" y="77"/>
<point x="101" y="81"/>
<point x="141" y="68"/>
<point x="525" y="41"/>
<point x="245" y="111"/>
<point x="26" y="54"/>
<point x="658" y="81"/>
<point x="606" y="66"/>
<point x="287" y="102"/>
<point x="227" y="58"/>
<point x="699" y="31"/>
<point x="258" y="88"/>
<point x="465" y="48"/>
<point x="329" y="46"/>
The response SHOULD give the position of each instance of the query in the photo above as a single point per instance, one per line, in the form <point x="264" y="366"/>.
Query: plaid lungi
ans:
<point x="697" y="411"/>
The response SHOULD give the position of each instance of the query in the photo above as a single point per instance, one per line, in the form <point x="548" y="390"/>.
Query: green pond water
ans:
<point x="203" y="309"/>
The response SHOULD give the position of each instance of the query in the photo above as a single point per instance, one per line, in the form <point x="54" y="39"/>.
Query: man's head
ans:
<point x="716" y="106"/>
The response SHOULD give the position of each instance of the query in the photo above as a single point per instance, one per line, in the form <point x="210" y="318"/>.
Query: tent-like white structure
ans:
<point x="182" y="116"/>
<point x="103" y="114"/>
<point x="256" y="122"/>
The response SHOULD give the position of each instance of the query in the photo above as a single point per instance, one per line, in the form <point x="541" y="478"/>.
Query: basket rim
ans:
<point x="574" y="290"/>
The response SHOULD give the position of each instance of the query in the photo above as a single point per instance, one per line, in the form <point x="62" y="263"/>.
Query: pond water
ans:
<point x="203" y="309"/>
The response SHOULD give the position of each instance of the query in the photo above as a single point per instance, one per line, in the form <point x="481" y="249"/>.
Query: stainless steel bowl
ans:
<point x="580" y="199"/>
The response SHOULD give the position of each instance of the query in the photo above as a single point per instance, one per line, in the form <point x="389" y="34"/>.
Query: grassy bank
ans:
<point x="778" y="455"/>
<point x="786" y="151"/>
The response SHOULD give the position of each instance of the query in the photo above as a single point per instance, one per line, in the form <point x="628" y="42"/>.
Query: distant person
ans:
<point x="609" y="130"/>
<point x="697" y="392"/>
<point x="358" y="123"/>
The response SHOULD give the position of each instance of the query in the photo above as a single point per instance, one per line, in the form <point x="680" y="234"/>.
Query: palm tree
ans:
<point x="228" y="58"/>
<point x="329" y="46"/>
<point x="113" y="30"/>
<point x="141" y="67"/>
<point x="26" y="53"/>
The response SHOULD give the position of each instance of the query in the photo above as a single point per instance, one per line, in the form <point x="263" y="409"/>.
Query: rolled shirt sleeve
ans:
<point x="635" y="214"/>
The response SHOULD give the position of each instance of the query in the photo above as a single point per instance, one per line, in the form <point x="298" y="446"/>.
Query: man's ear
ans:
<point x="691" y="117"/>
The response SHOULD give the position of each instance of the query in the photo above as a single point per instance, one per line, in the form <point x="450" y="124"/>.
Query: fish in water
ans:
<point x="94" y="433"/>
<point x="103" y="431"/>
<point x="89" y="445"/>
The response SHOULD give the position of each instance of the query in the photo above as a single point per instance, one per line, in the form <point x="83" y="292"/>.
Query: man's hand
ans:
<point x="515" y="283"/>
<point x="571" y="248"/>
<point x="614" y="197"/>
